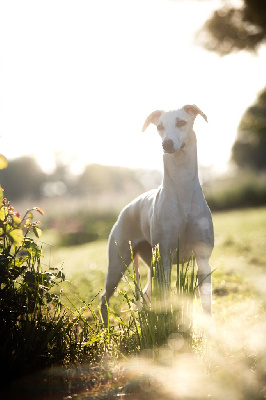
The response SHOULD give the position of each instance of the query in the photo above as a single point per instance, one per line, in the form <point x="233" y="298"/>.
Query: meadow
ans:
<point x="227" y="357"/>
<point x="238" y="258"/>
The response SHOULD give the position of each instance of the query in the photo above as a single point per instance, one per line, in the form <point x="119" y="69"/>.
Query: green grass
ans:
<point x="238" y="256"/>
<point x="228" y="363"/>
<point x="239" y="260"/>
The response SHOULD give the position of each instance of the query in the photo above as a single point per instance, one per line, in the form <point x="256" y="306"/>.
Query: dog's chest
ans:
<point x="169" y="224"/>
<point x="174" y="214"/>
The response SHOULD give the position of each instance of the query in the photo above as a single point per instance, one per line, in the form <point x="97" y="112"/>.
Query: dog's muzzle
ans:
<point x="168" y="146"/>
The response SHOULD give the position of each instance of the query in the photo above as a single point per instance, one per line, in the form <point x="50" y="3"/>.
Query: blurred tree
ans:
<point x="22" y="179"/>
<point x="235" y="28"/>
<point x="232" y="28"/>
<point x="249" y="150"/>
<point x="100" y="178"/>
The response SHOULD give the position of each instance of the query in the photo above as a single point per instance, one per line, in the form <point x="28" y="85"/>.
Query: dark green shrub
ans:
<point x="88" y="226"/>
<point x="29" y="312"/>
<point x="244" y="190"/>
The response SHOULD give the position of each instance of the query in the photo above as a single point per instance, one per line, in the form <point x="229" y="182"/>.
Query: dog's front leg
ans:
<point x="205" y="284"/>
<point x="164" y="275"/>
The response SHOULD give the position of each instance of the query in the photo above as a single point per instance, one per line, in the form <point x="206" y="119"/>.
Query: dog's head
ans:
<point x="174" y="127"/>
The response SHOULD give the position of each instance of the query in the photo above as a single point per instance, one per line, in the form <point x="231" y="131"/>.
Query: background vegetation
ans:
<point x="235" y="27"/>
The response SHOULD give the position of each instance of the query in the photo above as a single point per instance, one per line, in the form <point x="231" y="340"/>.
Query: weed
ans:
<point x="170" y="309"/>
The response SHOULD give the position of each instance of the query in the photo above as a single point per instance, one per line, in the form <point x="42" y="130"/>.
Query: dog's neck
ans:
<point x="181" y="168"/>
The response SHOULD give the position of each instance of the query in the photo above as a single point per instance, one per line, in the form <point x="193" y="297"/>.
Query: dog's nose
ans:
<point x="168" y="145"/>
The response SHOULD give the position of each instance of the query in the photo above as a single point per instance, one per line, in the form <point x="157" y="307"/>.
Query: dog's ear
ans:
<point x="192" y="109"/>
<point x="152" y="119"/>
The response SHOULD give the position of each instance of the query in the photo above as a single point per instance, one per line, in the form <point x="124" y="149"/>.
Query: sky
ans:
<point x="80" y="77"/>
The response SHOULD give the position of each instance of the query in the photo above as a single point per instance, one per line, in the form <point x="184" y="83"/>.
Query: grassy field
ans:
<point x="239" y="259"/>
<point x="229" y="363"/>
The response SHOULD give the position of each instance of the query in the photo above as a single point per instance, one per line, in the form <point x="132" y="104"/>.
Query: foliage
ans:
<point x="249" y="150"/>
<point x="83" y="226"/>
<point x="247" y="190"/>
<point x="169" y="311"/>
<point x="98" y="178"/>
<point x="231" y="28"/>
<point x="36" y="329"/>
<point x="26" y="331"/>
<point x="22" y="178"/>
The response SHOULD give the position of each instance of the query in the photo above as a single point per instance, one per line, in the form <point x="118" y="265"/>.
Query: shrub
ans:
<point x="245" y="190"/>
<point x="29" y="312"/>
<point x="82" y="225"/>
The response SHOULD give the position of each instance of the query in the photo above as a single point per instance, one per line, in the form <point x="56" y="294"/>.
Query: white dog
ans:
<point x="176" y="209"/>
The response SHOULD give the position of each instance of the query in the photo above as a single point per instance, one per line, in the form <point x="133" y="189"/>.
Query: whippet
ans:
<point x="176" y="209"/>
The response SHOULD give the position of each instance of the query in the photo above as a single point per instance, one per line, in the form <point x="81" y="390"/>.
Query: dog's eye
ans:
<point x="180" y="122"/>
<point x="160" y="127"/>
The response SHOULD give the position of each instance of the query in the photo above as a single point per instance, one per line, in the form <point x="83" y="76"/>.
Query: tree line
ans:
<point x="23" y="179"/>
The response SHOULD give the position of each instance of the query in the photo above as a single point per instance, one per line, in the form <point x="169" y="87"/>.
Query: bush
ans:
<point x="244" y="190"/>
<point x="36" y="329"/>
<point x="29" y="312"/>
<point x="83" y="226"/>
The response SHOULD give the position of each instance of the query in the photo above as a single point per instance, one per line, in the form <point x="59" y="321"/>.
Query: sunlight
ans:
<point x="93" y="78"/>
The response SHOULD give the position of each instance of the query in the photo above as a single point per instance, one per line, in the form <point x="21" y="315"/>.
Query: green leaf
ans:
<point x="29" y="215"/>
<point x="16" y="221"/>
<point x="3" y="162"/>
<point x="16" y="236"/>
<point x="37" y="232"/>
<point x="3" y="213"/>
<point x="27" y="223"/>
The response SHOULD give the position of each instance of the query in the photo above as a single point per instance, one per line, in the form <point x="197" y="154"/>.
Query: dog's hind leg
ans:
<point x="144" y="249"/>
<point x="119" y="259"/>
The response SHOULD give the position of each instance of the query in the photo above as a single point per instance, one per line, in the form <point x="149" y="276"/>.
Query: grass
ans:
<point x="230" y="363"/>
<point x="239" y="254"/>
<point x="239" y="259"/>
